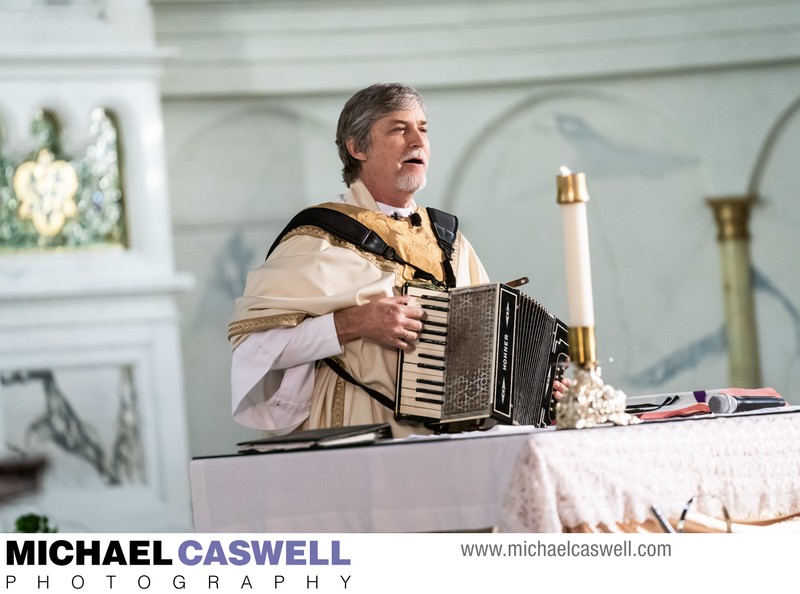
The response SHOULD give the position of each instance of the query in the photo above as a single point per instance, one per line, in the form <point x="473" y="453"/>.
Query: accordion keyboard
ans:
<point x="422" y="385"/>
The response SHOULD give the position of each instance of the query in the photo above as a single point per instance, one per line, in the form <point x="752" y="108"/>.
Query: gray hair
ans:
<point x="361" y="112"/>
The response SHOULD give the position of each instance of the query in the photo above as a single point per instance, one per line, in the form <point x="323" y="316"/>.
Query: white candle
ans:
<point x="572" y="197"/>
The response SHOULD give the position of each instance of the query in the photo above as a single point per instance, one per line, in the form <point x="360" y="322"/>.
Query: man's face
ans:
<point x="394" y="166"/>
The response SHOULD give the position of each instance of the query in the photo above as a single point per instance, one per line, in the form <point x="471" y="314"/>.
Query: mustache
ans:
<point x="417" y="155"/>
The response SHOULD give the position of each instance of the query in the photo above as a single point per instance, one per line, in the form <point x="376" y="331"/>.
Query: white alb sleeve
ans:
<point x="272" y="373"/>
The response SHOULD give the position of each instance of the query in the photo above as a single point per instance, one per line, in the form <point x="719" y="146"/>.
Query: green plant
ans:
<point x="33" y="523"/>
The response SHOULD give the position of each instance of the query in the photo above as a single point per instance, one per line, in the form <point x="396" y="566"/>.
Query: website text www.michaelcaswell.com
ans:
<point x="626" y="548"/>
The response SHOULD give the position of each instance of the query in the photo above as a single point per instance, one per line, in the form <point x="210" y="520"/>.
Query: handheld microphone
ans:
<point x="416" y="219"/>
<point x="725" y="403"/>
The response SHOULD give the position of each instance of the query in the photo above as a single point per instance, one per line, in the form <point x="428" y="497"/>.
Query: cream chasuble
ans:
<point x="311" y="273"/>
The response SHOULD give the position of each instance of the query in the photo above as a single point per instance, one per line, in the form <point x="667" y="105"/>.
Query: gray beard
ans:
<point x="411" y="183"/>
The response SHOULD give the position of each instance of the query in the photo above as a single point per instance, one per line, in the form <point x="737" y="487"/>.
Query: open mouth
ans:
<point x="414" y="161"/>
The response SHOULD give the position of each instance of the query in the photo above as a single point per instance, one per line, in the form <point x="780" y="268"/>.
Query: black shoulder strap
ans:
<point x="341" y="372"/>
<point x="339" y="224"/>
<point x="445" y="226"/>
<point x="346" y="227"/>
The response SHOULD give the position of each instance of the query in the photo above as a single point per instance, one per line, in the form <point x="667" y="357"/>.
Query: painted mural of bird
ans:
<point x="603" y="156"/>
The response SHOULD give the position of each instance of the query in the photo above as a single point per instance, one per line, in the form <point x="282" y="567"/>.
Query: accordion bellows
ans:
<point x="486" y="352"/>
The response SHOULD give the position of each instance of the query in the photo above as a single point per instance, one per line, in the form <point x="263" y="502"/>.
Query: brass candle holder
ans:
<point x="588" y="401"/>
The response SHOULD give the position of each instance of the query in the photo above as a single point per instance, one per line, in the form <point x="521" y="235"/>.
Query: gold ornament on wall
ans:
<point x="46" y="189"/>
<point x="55" y="199"/>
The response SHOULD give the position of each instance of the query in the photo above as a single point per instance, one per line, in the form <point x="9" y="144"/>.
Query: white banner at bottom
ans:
<point x="372" y="563"/>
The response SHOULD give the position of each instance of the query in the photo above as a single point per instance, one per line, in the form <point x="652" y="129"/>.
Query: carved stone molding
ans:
<point x="247" y="47"/>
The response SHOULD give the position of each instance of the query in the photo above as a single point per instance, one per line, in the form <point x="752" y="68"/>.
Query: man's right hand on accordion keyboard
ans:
<point x="390" y="322"/>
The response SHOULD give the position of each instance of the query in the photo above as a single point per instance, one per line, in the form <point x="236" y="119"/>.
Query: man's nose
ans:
<point x="416" y="138"/>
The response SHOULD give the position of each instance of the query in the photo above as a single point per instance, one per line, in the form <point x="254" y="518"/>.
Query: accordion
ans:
<point x="485" y="352"/>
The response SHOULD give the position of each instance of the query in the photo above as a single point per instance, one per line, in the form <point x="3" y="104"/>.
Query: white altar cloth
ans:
<point x="417" y="484"/>
<point x="601" y="477"/>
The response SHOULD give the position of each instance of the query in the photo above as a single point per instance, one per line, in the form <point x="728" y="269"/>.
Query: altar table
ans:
<point x="512" y="479"/>
<point x="417" y="484"/>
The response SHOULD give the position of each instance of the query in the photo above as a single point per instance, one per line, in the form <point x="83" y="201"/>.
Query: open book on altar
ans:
<point x="318" y="438"/>
<point x="698" y="402"/>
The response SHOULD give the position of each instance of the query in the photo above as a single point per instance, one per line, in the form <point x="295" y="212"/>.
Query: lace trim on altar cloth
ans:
<point x="608" y="478"/>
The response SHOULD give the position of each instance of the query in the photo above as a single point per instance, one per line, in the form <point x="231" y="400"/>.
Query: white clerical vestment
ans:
<point x="283" y="324"/>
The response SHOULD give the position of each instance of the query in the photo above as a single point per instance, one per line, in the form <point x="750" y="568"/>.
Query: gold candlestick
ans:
<point x="588" y="402"/>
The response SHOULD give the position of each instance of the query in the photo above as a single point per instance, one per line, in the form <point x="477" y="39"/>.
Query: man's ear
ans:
<point x="351" y="148"/>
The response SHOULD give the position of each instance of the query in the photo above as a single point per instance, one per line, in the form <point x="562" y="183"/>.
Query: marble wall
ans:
<point x="661" y="106"/>
<point x="90" y="350"/>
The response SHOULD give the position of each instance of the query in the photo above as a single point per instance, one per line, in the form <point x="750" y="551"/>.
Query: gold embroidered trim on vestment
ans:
<point x="414" y="244"/>
<point x="266" y="323"/>
<point x="456" y="254"/>
<point x="337" y="406"/>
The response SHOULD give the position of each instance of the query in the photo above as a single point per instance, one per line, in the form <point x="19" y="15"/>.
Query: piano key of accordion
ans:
<point x="412" y="408"/>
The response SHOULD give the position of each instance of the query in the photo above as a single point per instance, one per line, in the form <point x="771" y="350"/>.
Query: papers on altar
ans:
<point x="699" y="402"/>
